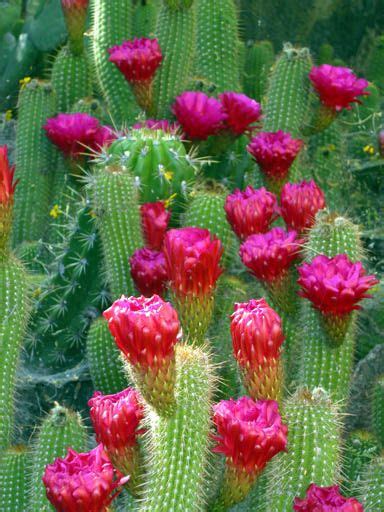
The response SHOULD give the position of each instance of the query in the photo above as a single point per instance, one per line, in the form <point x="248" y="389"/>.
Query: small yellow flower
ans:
<point x="24" y="81"/>
<point x="369" y="149"/>
<point x="55" y="212"/>
<point x="36" y="292"/>
<point x="168" y="175"/>
<point x="169" y="201"/>
<point x="8" y="115"/>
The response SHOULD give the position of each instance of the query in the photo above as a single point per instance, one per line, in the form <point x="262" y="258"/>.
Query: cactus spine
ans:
<point x="313" y="453"/>
<point x="217" y="53"/>
<point x="258" y="62"/>
<point x="178" y="445"/>
<point x="13" y="479"/>
<point x="33" y="159"/>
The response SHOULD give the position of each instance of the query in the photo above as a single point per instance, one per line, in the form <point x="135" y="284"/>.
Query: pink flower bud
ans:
<point x="154" y="220"/>
<point x="326" y="499"/>
<point x="242" y="112"/>
<point x="7" y="182"/>
<point x="149" y="271"/>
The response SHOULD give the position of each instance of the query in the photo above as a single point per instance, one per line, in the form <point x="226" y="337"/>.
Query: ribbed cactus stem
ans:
<point x="313" y="449"/>
<point x="378" y="410"/>
<point x="33" y="162"/>
<point x="60" y="430"/>
<point x="258" y="61"/>
<point x="178" y="446"/>
<point x="105" y="364"/>
<point x="217" y="53"/>
<point x="116" y="206"/>
<point x="14" y="479"/>
<point x="145" y="17"/>
<point x="372" y="489"/>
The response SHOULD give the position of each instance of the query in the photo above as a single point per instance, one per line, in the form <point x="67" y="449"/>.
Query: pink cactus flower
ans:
<point x="242" y="112"/>
<point x="199" y="115"/>
<point x="138" y="59"/>
<point x="275" y="152"/>
<point x="326" y="499"/>
<point x="251" y="211"/>
<point x="154" y="221"/>
<point x="7" y="182"/>
<point x="149" y="272"/>
<point x="337" y="87"/>
<point x="299" y="204"/>
<point x="104" y="137"/>
<point x="249" y="433"/>
<point x="82" y="481"/>
<point x="145" y="329"/>
<point x="270" y="255"/>
<point x="336" y="285"/>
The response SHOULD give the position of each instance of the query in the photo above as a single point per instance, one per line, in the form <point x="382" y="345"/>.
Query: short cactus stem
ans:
<point x="336" y="327"/>
<point x="75" y="14"/>
<point x="237" y="484"/>
<point x="143" y="92"/>
<point x="195" y="314"/>
<point x="322" y="118"/>
<point x="266" y="381"/>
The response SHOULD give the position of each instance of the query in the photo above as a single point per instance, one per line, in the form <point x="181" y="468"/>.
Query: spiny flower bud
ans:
<point x="326" y="499"/>
<point x="75" y="14"/>
<point x="242" y="112"/>
<point x="154" y="221"/>
<point x="149" y="272"/>
<point x="257" y="337"/>
<point x="251" y="211"/>
<point x="82" y="481"/>
<point x="299" y="204"/>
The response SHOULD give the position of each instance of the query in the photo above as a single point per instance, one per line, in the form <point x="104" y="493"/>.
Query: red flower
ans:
<point x="145" y="329"/>
<point x="82" y="481"/>
<point x="7" y="183"/>
<point x="270" y="255"/>
<point x="154" y="220"/>
<point x="334" y="285"/>
<point x="249" y="433"/>
<point x="116" y="419"/>
<point x="337" y="87"/>
<point x="300" y="203"/>
<point x="199" y="115"/>
<point x="149" y="271"/>
<point x="251" y="211"/>
<point x="326" y="499"/>
<point x="275" y="152"/>
<point x="138" y="59"/>
<point x="241" y="111"/>
<point x="256" y="332"/>
<point x="192" y="257"/>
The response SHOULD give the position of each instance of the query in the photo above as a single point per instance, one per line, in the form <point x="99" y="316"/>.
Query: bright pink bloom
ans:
<point x="149" y="272"/>
<point x="157" y="124"/>
<point x="145" y="329"/>
<point x="270" y="255"/>
<point x="193" y="261"/>
<point x="74" y="134"/>
<point x="334" y="285"/>
<point x="251" y="211"/>
<point x="299" y="204"/>
<point x="249" y="433"/>
<point x="257" y="333"/>
<point x="337" y="87"/>
<point x="104" y="137"/>
<point x="82" y="481"/>
<point x="326" y="499"/>
<point x="199" y="115"/>
<point x="274" y="152"/>
<point x="154" y="221"/>
<point x="7" y="183"/>
<point x="242" y="111"/>
<point x="116" y="419"/>
<point x="138" y="59"/>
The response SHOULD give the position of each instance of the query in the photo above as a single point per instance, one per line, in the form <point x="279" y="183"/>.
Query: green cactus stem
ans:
<point x="14" y="479"/>
<point x="145" y="18"/>
<point x="374" y="67"/>
<point x="33" y="162"/>
<point x="378" y="410"/>
<point x="60" y="430"/>
<point x="217" y="40"/>
<point x="372" y="488"/>
<point x="178" y="447"/>
<point x="313" y="449"/>
<point x="258" y="62"/>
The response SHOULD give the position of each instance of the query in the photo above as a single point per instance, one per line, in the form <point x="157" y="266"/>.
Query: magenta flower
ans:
<point x="7" y="181"/>
<point x="104" y="137"/>
<point x="337" y="87"/>
<point x="138" y="59"/>
<point x="199" y="115"/>
<point x="336" y="285"/>
<point x="251" y="211"/>
<point x="82" y="481"/>
<point x="326" y="499"/>
<point x="299" y="204"/>
<point x="154" y="221"/>
<point x="242" y="112"/>
<point x="149" y="272"/>
<point x="275" y="152"/>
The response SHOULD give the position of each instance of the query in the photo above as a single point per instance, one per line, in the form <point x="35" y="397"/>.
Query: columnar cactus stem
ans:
<point x="14" y="479"/>
<point x="258" y="61"/>
<point x="145" y="17"/>
<point x="372" y="489"/>
<point x="378" y="410"/>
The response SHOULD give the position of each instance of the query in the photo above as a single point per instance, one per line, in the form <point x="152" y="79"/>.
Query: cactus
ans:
<point x="217" y="51"/>
<point x="175" y="31"/>
<point x="313" y="456"/>
<point x="105" y="365"/>
<point x="372" y="489"/>
<point x="114" y="199"/>
<point x="60" y="430"/>
<point x="378" y="410"/>
<point x="145" y="17"/>
<point x="259" y="59"/>
<point x="89" y="106"/>
<point x="14" y="479"/>
<point x="374" y="67"/>
<point x="177" y="482"/>
<point x="33" y="162"/>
